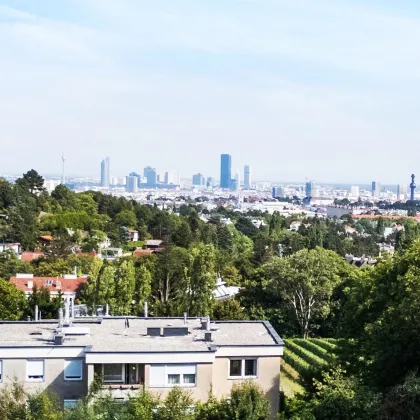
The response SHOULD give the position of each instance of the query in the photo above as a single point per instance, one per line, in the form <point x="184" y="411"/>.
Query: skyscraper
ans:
<point x="225" y="171"/>
<point x="309" y="189"/>
<point x="354" y="191"/>
<point x="198" y="180"/>
<point x="401" y="191"/>
<point x="237" y="181"/>
<point x="247" y="177"/>
<point x="131" y="184"/>
<point x="105" y="173"/>
<point x="151" y="176"/>
<point x="278" y="192"/>
<point x="376" y="188"/>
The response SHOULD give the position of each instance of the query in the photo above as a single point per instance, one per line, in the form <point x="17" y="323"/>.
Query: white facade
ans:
<point x="247" y="177"/>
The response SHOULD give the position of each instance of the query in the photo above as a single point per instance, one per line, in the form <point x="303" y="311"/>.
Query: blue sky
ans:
<point x="326" y="89"/>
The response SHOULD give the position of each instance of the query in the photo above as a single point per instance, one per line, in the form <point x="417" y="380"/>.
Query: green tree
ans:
<point x="90" y="292"/>
<point x="143" y="288"/>
<point x="125" y="285"/>
<point x="13" y="401"/>
<point x="45" y="406"/>
<point x="383" y="314"/>
<point x="202" y="281"/>
<point x="170" y="281"/>
<point x="106" y="287"/>
<point x="176" y="406"/>
<point x="306" y="281"/>
<point x="229" y="309"/>
<point x="12" y="301"/>
<point x="46" y="305"/>
<point x="126" y="218"/>
<point x="31" y="181"/>
<point x="248" y="402"/>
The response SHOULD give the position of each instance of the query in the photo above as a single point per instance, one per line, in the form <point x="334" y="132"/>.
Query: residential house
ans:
<point x="29" y="256"/>
<point x="348" y="230"/>
<point x="154" y="244"/>
<point x="140" y="252"/>
<point x="110" y="253"/>
<point x="132" y="235"/>
<point x="294" y="226"/>
<point x="68" y="285"/>
<point x="15" y="247"/>
<point x="223" y="292"/>
<point x="155" y="354"/>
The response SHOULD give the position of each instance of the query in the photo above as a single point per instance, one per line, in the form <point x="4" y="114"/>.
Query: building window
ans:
<point x="113" y="372"/>
<point x="250" y="367"/>
<point x="48" y="283"/>
<point x="70" y="403"/>
<point x="73" y="370"/>
<point x="35" y="370"/>
<point x="235" y="368"/>
<point x="163" y="376"/>
<point x="243" y="368"/>
<point x="174" y="379"/>
<point x="189" y="378"/>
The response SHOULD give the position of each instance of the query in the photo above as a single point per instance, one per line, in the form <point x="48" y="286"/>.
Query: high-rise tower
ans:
<point x="247" y="177"/>
<point x="63" y="173"/>
<point x="309" y="189"/>
<point x="376" y="188"/>
<point x="105" y="173"/>
<point x="225" y="171"/>
<point x="412" y="187"/>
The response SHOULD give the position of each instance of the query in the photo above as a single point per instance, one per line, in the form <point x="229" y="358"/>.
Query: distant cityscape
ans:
<point x="150" y="183"/>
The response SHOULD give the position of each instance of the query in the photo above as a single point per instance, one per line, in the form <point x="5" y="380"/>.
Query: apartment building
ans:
<point x="141" y="353"/>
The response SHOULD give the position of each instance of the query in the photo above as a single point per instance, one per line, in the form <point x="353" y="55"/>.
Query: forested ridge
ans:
<point x="299" y="280"/>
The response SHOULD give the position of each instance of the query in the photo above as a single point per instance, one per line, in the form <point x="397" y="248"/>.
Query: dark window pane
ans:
<point x="251" y="367"/>
<point x="235" y="367"/>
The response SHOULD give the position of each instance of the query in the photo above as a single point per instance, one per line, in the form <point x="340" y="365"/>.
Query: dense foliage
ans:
<point x="352" y="348"/>
<point x="246" y="402"/>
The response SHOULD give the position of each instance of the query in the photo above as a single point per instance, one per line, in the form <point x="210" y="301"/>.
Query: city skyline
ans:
<point x="131" y="80"/>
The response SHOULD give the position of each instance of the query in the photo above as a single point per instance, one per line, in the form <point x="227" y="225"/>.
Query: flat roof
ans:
<point x="110" y="335"/>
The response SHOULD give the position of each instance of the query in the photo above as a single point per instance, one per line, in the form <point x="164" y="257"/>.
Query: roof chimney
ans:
<point x="207" y="336"/>
<point x="58" y="339"/>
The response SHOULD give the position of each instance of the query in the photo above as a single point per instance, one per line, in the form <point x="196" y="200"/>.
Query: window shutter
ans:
<point x="35" y="368"/>
<point x="157" y="376"/>
<point x="181" y="369"/>
<point x="73" y="369"/>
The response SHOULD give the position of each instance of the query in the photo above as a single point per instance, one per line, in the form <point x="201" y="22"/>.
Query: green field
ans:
<point x="302" y="355"/>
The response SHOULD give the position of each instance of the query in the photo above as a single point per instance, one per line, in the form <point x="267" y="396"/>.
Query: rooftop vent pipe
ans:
<point x="146" y="313"/>
<point x="185" y="318"/>
<point x="36" y="313"/>
<point x="60" y="318"/>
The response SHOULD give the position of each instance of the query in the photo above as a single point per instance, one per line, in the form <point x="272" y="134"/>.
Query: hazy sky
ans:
<point x="324" y="89"/>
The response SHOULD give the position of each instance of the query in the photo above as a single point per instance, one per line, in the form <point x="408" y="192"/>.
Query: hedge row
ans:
<point x="326" y="343"/>
<point x="306" y="355"/>
<point x="315" y="349"/>
<point x="296" y="362"/>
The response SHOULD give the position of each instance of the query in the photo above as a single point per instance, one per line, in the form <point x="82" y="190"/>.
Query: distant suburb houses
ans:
<point x="130" y="354"/>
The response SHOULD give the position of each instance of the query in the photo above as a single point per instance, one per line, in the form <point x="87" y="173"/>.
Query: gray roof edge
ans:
<point x="279" y="341"/>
